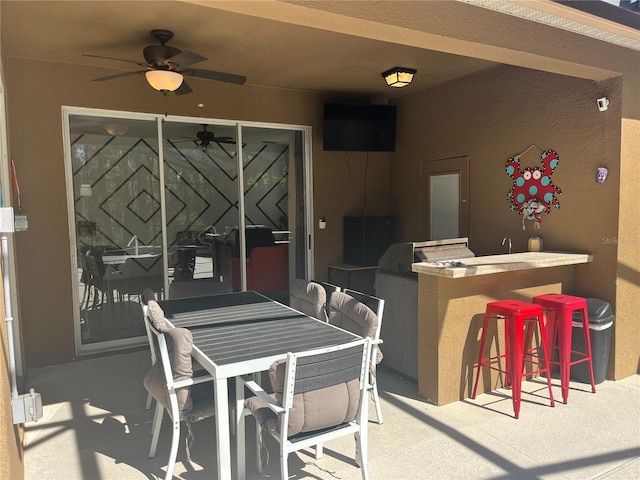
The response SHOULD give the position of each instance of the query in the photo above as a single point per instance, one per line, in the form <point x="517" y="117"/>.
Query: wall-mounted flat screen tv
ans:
<point x="359" y="128"/>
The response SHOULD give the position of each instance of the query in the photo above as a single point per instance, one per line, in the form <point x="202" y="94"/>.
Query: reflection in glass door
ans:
<point x="220" y="215"/>
<point x="118" y="225"/>
<point x="200" y="165"/>
<point x="269" y="246"/>
<point x="204" y="211"/>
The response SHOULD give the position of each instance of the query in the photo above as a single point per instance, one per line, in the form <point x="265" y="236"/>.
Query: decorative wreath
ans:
<point x="533" y="192"/>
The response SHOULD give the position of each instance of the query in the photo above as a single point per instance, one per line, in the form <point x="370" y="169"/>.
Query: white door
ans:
<point x="445" y="192"/>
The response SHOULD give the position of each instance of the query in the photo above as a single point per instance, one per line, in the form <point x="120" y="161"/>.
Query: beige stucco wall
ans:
<point x="34" y="107"/>
<point x="499" y="113"/>
<point x="627" y="333"/>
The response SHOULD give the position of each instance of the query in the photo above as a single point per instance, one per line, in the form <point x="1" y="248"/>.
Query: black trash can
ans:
<point x="601" y="320"/>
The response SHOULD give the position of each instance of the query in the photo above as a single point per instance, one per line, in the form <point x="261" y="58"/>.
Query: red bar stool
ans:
<point x="515" y="314"/>
<point x="559" y="310"/>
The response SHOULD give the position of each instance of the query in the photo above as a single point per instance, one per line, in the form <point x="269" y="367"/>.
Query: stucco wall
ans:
<point x="497" y="114"/>
<point x="34" y="108"/>
<point x="627" y="333"/>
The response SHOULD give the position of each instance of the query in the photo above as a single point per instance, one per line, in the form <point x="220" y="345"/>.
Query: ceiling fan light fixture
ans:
<point x="399" y="77"/>
<point x="116" y="129"/>
<point x="164" y="80"/>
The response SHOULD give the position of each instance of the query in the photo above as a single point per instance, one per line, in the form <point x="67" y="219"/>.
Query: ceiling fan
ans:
<point x="165" y="67"/>
<point x="206" y="137"/>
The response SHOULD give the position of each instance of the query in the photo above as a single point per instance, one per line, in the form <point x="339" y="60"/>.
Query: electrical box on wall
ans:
<point x="27" y="407"/>
<point x="21" y="223"/>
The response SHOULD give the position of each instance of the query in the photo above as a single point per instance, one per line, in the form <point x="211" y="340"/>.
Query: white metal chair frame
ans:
<point x="147" y="295"/>
<point x="358" y="427"/>
<point x="172" y="387"/>
<point x="377" y="305"/>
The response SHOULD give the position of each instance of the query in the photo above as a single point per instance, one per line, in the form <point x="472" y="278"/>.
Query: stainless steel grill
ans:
<point x="399" y="256"/>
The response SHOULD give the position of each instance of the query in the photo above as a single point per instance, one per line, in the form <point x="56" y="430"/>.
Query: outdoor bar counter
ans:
<point x="452" y="297"/>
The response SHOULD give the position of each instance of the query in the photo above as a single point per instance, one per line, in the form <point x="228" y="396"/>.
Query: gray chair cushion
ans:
<point x="156" y="315"/>
<point x="179" y="345"/>
<point x="349" y="314"/>
<point x="309" y="298"/>
<point x="313" y="410"/>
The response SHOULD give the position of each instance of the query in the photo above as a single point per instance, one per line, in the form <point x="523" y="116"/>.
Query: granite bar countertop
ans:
<point x="469" y="267"/>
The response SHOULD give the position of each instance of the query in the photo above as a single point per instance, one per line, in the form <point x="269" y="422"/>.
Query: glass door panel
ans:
<point x="229" y="214"/>
<point x="266" y="156"/>
<point x="200" y="164"/>
<point x="118" y="225"/>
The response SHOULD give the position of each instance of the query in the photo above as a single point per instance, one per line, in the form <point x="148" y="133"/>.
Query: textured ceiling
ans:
<point x="268" y="52"/>
<point x="254" y="40"/>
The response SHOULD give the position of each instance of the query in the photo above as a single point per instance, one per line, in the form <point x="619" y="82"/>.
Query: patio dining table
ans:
<point x="243" y="333"/>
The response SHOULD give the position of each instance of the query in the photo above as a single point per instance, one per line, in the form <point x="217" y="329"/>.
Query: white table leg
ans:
<point x="223" y="436"/>
<point x="240" y="429"/>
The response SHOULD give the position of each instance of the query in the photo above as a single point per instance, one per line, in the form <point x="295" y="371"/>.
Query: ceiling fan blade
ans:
<point x="229" y="140"/>
<point x="184" y="59"/>
<point x="142" y="64"/>
<point x="183" y="89"/>
<point x="118" y="75"/>
<point x="212" y="75"/>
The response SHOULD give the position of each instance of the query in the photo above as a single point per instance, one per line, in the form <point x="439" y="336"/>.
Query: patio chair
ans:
<point x="361" y="314"/>
<point x="171" y="382"/>
<point x="309" y="298"/>
<point x="147" y="296"/>
<point x="318" y="395"/>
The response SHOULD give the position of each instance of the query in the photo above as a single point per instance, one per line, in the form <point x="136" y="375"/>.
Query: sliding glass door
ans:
<point x="118" y="225"/>
<point x="181" y="206"/>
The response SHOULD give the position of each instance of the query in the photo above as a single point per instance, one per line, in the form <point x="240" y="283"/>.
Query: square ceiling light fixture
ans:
<point x="399" y="76"/>
<point x="164" y="80"/>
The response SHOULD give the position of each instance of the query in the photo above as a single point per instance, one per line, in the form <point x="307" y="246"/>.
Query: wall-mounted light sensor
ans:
<point x="603" y="104"/>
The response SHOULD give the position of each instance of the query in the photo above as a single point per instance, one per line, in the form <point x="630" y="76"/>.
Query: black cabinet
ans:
<point x="366" y="239"/>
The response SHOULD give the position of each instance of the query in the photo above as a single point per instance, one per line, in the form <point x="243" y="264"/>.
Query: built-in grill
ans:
<point x="398" y="286"/>
<point x="399" y="256"/>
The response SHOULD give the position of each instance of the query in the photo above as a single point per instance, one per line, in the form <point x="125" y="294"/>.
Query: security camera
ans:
<point x="603" y="104"/>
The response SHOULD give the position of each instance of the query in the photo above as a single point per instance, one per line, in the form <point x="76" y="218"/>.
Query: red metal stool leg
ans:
<point x="560" y="308"/>
<point x="515" y="314"/>
<point x="483" y="341"/>
<point x="515" y="358"/>
<point x="587" y="343"/>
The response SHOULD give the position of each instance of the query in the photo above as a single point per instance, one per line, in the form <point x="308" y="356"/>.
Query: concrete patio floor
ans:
<point x="95" y="427"/>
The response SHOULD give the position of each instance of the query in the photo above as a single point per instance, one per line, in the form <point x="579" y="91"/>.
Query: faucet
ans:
<point x="505" y="240"/>
<point x="135" y="239"/>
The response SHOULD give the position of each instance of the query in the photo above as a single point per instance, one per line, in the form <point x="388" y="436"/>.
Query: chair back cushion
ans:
<point x="354" y="316"/>
<point x="309" y="298"/>
<point x="316" y="409"/>
<point x="179" y="346"/>
<point x="349" y="314"/>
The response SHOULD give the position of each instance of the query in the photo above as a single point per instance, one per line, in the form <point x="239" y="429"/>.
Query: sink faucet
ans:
<point x="135" y="239"/>
<point x="505" y="240"/>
